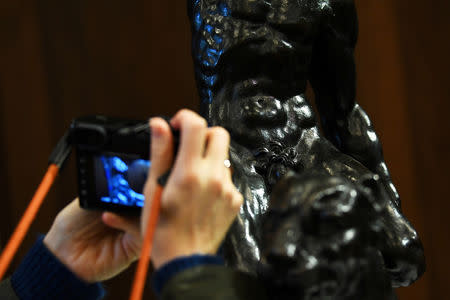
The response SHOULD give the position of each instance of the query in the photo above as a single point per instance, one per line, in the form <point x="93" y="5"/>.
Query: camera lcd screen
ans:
<point x="119" y="180"/>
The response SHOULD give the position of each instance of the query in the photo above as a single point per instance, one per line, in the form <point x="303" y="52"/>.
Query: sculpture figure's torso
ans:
<point x="253" y="61"/>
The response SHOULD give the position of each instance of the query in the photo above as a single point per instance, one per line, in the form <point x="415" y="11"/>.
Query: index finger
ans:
<point x="193" y="129"/>
<point x="161" y="147"/>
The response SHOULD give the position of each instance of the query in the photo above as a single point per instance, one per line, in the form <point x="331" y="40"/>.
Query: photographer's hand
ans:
<point x="93" y="245"/>
<point x="199" y="202"/>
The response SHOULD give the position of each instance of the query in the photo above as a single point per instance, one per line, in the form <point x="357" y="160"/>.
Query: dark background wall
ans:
<point x="62" y="59"/>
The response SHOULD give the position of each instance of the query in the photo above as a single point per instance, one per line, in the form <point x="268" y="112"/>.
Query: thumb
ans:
<point x="127" y="225"/>
<point x="161" y="159"/>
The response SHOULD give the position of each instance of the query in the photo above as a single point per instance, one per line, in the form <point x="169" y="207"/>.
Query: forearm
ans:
<point x="42" y="276"/>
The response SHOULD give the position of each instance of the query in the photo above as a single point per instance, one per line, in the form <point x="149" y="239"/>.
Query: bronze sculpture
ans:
<point x="322" y="238"/>
<point x="253" y="60"/>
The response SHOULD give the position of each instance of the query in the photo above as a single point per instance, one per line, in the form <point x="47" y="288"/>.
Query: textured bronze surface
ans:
<point x="253" y="60"/>
<point x="322" y="236"/>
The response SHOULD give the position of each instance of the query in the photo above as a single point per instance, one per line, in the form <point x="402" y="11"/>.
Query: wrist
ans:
<point x="42" y="276"/>
<point x="165" y="258"/>
<point x="56" y="246"/>
<point x="169" y="254"/>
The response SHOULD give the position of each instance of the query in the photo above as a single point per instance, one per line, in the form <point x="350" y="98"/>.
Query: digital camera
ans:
<point x="112" y="157"/>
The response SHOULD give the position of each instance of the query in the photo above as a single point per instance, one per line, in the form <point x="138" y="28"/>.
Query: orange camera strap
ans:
<point x="57" y="160"/>
<point x="27" y="218"/>
<point x="33" y="208"/>
<point x="142" y="268"/>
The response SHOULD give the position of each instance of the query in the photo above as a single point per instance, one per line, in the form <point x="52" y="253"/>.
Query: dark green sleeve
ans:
<point x="6" y="291"/>
<point x="213" y="283"/>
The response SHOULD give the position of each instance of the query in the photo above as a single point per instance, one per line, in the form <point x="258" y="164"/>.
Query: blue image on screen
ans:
<point x="125" y="180"/>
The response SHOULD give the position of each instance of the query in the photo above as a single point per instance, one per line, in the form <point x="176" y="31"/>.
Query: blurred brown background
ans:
<point x="62" y="59"/>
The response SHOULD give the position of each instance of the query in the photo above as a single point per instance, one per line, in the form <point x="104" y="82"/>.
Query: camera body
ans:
<point x="112" y="157"/>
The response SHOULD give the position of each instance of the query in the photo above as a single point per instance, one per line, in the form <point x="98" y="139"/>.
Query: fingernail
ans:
<point x="155" y="130"/>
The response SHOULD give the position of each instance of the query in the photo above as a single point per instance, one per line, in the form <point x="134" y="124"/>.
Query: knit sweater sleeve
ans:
<point x="42" y="276"/>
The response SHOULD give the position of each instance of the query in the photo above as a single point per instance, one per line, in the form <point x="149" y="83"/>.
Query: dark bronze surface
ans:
<point x="253" y="60"/>
<point x="321" y="239"/>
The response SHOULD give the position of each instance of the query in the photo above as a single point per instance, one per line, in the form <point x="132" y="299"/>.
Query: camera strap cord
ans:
<point x="27" y="218"/>
<point x="56" y="162"/>
<point x="144" y="261"/>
